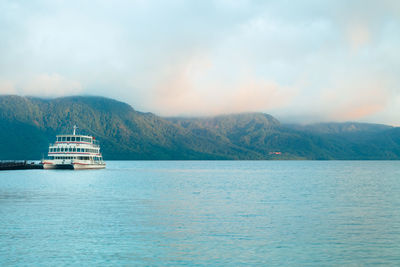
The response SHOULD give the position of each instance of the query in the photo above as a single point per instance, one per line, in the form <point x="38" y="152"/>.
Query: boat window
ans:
<point x="68" y="139"/>
<point x="74" y="149"/>
<point x="78" y="139"/>
<point x="73" y="139"/>
<point x="63" y="138"/>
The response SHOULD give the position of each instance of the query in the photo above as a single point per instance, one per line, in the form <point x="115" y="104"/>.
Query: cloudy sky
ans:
<point x="301" y="61"/>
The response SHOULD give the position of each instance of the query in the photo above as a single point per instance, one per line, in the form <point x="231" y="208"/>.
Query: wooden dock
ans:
<point x="19" y="165"/>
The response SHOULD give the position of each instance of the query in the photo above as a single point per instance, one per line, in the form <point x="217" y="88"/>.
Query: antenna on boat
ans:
<point x="75" y="127"/>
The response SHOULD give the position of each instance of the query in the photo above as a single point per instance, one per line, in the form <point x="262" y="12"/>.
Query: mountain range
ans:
<point x="29" y="124"/>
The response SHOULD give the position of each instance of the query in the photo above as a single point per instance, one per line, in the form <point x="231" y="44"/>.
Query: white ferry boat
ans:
<point x="74" y="152"/>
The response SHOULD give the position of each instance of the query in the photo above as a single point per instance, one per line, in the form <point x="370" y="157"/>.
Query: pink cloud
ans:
<point x="7" y="87"/>
<point x="192" y="88"/>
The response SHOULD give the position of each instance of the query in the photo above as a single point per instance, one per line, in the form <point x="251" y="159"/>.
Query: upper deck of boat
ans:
<point x="74" y="138"/>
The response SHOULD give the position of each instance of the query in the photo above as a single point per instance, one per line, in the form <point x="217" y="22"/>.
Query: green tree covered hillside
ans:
<point x="28" y="125"/>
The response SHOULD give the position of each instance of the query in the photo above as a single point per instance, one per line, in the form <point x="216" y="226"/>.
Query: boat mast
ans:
<point x="75" y="127"/>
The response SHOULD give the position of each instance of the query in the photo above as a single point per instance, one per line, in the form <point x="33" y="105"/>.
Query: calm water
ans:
<point x="203" y="213"/>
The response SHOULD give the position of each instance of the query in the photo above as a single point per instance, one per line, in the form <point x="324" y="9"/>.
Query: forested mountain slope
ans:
<point x="28" y="124"/>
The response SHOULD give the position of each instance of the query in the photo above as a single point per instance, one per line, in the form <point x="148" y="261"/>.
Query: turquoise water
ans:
<point x="213" y="213"/>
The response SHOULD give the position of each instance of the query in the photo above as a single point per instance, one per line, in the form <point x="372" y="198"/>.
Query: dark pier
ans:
<point x="19" y="165"/>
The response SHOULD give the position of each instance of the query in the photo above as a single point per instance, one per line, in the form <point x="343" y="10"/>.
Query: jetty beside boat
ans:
<point x="19" y="165"/>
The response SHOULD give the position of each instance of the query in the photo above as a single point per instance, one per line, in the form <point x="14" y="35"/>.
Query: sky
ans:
<point x="300" y="61"/>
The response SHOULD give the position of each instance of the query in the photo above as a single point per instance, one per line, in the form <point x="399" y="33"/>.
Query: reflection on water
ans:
<point x="207" y="213"/>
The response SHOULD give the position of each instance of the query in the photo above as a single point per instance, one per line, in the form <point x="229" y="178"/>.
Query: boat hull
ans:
<point x="72" y="166"/>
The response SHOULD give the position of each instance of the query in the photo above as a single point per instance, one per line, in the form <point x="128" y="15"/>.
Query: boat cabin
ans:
<point x="74" y="138"/>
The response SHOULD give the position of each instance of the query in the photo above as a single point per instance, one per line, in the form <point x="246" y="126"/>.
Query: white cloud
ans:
<point x="50" y="85"/>
<point x="199" y="57"/>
